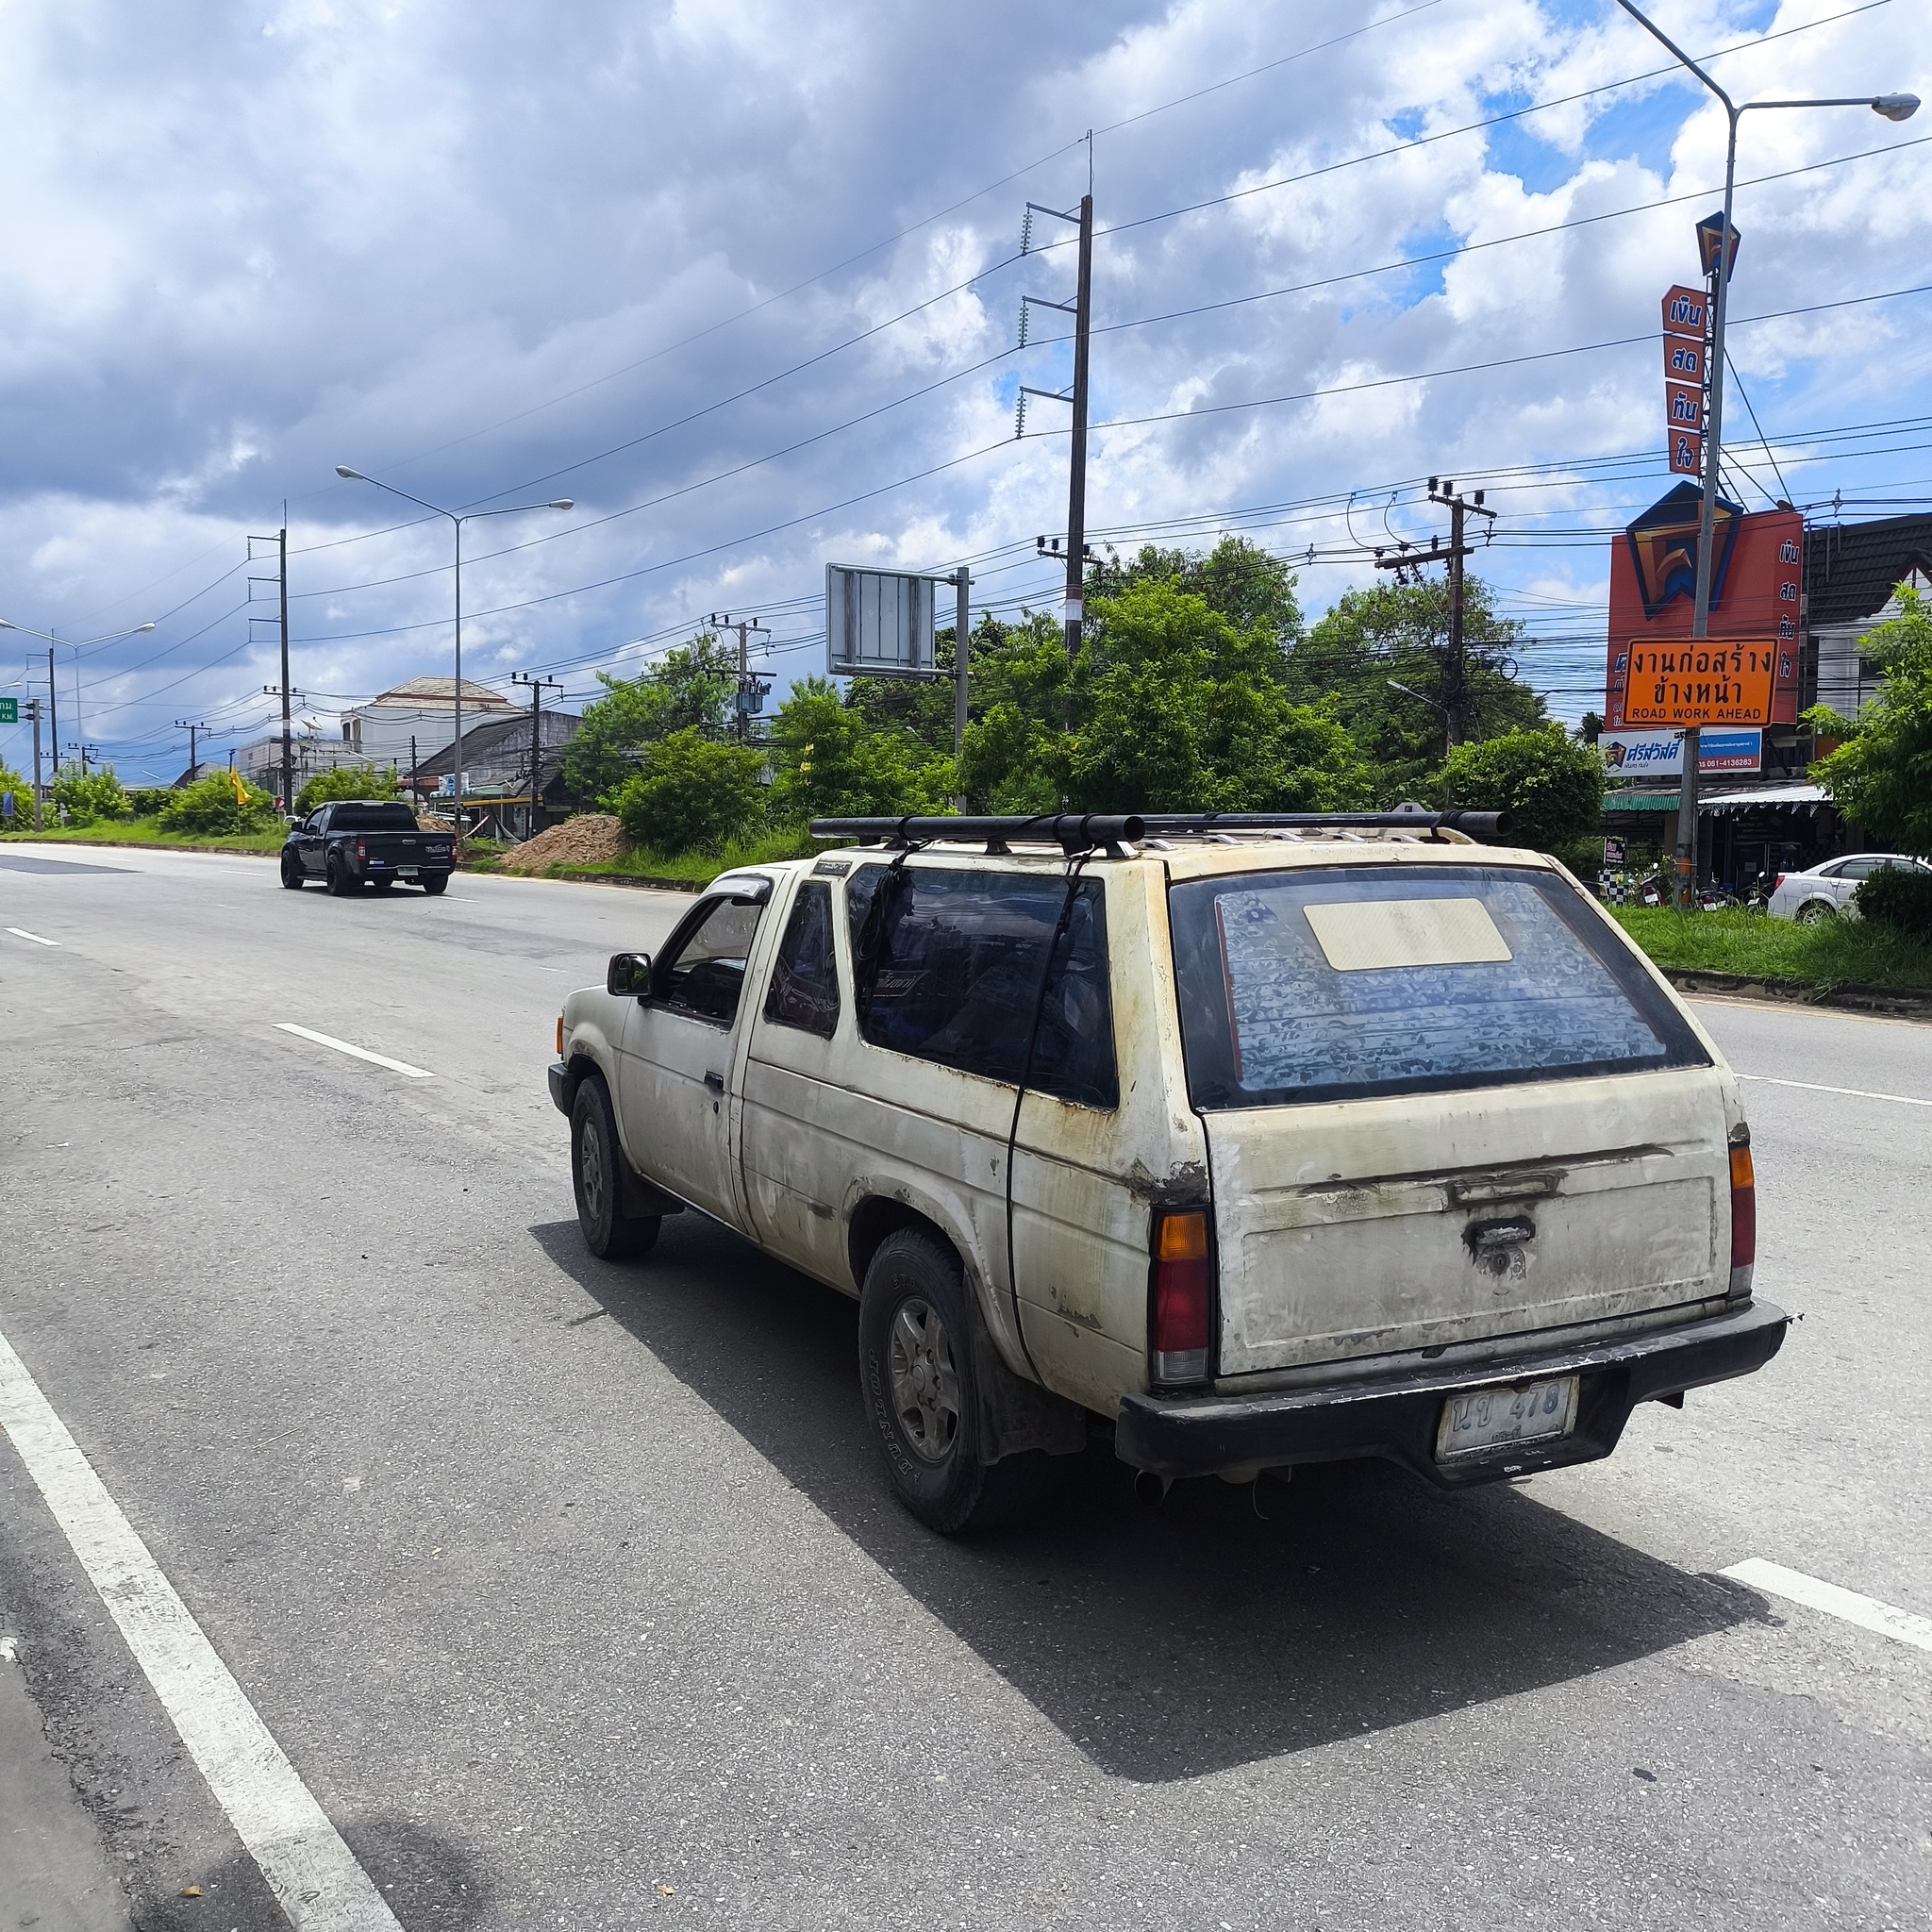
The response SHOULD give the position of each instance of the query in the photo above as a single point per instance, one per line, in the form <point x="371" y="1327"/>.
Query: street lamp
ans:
<point x="458" y="519"/>
<point x="52" y="710"/>
<point x="1892" y="107"/>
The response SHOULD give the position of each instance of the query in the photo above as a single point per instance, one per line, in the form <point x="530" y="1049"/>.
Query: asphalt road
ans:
<point x="575" y="1596"/>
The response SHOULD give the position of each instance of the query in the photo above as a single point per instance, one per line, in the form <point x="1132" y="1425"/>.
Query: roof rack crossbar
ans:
<point x="1078" y="831"/>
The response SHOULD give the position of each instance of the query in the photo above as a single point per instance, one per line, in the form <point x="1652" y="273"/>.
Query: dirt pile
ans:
<point x="594" y="839"/>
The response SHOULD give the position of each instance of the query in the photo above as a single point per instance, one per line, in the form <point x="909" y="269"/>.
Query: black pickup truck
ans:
<point x="359" y="843"/>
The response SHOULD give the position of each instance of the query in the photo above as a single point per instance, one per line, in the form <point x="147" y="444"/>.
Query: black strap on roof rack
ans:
<point x="1082" y="831"/>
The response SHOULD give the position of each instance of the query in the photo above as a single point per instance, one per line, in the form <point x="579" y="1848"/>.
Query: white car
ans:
<point x="1828" y="888"/>
<point x="1239" y="1142"/>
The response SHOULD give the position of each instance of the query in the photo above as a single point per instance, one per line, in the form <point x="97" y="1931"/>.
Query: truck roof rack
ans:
<point x="1082" y="831"/>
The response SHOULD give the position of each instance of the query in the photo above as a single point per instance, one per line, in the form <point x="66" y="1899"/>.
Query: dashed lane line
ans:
<point x="1850" y="1092"/>
<point x="313" y="1874"/>
<point x="1908" y="1626"/>
<point x="20" y="932"/>
<point x="361" y="1053"/>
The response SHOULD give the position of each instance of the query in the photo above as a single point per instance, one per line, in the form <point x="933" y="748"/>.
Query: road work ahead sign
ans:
<point x="1702" y="683"/>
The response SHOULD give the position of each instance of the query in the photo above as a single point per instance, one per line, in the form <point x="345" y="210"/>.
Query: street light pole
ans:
<point x="1893" y="108"/>
<point x="50" y="639"/>
<point x="457" y="519"/>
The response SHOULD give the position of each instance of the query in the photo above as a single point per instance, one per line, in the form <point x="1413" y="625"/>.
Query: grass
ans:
<point x="1833" y="952"/>
<point x="697" y="868"/>
<point x="145" y="832"/>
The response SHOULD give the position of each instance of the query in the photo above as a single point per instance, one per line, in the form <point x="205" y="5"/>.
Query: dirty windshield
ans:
<point x="371" y="818"/>
<point x="1345" y="982"/>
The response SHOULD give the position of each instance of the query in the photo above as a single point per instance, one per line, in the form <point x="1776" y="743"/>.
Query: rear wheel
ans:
<point x="435" y="882"/>
<point x="596" y="1171"/>
<point x="340" y="880"/>
<point x="1813" y="911"/>
<point x="291" y="871"/>
<point x="916" y="1374"/>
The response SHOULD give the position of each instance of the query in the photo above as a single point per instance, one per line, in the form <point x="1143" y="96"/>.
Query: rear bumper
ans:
<point x="1397" y="1417"/>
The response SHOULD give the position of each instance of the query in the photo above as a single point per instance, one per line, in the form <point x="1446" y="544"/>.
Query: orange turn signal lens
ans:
<point x="1183" y="1237"/>
<point x="559" y="1036"/>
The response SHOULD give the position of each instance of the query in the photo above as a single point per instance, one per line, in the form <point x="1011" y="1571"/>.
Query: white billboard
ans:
<point x="1660" y="754"/>
<point x="878" y="624"/>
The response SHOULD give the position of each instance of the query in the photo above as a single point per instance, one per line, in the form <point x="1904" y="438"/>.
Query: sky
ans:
<point x="743" y="280"/>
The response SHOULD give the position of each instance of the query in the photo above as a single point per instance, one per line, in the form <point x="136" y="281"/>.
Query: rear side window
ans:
<point x="371" y="818"/>
<point x="805" y="982"/>
<point x="1348" y="982"/>
<point x="948" y="967"/>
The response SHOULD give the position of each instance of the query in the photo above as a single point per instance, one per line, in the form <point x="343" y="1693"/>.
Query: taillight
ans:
<point x="559" y="1036"/>
<point x="1743" y="1211"/>
<point x="361" y="851"/>
<point x="1183" y="1295"/>
<point x="1777" y="882"/>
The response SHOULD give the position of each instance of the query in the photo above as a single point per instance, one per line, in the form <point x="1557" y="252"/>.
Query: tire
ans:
<point x="916" y="1375"/>
<point x="1813" y="911"/>
<point x="291" y="873"/>
<point x="435" y="882"/>
<point x="596" y="1171"/>
<point x="340" y="881"/>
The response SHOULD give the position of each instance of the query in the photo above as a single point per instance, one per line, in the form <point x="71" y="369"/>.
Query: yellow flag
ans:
<point x="240" y="789"/>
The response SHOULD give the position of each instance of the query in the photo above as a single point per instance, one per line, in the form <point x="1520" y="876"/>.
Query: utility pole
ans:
<point x="536" y="685"/>
<point x="85" y="752"/>
<point x="283" y="691"/>
<point x="1081" y="310"/>
<point x="33" y="711"/>
<point x="53" y="716"/>
<point x="1407" y="562"/>
<point x="751" y="691"/>
<point x="962" y="593"/>
<point x="192" y="731"/>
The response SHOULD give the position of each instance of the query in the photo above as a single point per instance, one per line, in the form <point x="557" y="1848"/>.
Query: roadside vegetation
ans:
<point x="1831" y="952"/>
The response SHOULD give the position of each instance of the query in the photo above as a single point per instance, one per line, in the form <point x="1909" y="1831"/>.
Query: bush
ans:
<point x="1900" y="896"/>
<point x="693" y="794"/>
<point x="145" y="801"/>
<point x="345" y="781"/>
<point x="23" y="799"/>
<point x="90" y="797"/>
<point x="1553" y="784"/>
<point x="224" y="802"/>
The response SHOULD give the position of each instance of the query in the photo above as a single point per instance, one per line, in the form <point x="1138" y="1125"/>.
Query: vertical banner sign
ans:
<point x="1686" y="318"/>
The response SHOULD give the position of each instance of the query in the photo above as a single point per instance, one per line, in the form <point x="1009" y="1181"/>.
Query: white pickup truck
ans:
<point x="1246" y="1142"/>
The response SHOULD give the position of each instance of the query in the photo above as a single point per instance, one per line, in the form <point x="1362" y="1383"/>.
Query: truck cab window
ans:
<point x="704" y="976"/>
<point x="805" y="982"/>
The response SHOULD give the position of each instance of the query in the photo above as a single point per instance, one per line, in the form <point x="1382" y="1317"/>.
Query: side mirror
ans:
<point x="628" y="976"/>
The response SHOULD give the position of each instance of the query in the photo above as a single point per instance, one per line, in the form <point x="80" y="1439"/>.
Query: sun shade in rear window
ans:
<point x="1341" y="983"/>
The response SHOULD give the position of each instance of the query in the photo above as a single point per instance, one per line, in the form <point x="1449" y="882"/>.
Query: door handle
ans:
<point x="715" y="1082"/>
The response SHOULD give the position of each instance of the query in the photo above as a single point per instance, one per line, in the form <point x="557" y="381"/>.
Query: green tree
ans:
<point x="346" y="781"/>
<point x="220" y="804"/>
<point x="1881" y="775"/>
<point x="828" y="761"/>
<point x="693" y="794"/>
<point x="90" y="797"/>
<point x="1553" y="785"/>
<point x="689" y="689"/>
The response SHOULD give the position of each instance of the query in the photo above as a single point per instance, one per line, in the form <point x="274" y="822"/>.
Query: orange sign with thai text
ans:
<point x="1712" y="682"/>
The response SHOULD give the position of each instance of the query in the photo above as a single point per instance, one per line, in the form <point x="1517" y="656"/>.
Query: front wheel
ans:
<point x="291" y="873"/>
<point x="921" y="1388"/>
<point x="596" y="1171"/>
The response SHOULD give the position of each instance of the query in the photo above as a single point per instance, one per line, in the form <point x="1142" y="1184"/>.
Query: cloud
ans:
<point x="490" y="253"/>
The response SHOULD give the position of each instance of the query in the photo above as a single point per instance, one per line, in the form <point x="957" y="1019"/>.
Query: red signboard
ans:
<point x="1684" y="359"/>
<point x="1683" y="408"/>
<point x="1686" y="453"/>
<point x="1683" y="312"/>
<point x="1754" y="606"/>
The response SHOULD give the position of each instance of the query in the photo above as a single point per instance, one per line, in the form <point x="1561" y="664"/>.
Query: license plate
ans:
<point x="1486" y="1419"/>
<point x="406" y="872"/>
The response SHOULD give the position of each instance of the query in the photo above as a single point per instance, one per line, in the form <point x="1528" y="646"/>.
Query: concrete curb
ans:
<point x="1894" y="1002"/>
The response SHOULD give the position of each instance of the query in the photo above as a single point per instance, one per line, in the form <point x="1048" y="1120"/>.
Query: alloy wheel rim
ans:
<point x="926" y="1386"/>
<point x="593" y="1161"/>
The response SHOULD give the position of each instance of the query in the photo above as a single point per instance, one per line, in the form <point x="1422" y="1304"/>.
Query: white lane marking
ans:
<point x="1866" y="1612"/>
<point x="361" y="1053"/>
<point x="1850" y="1092"/>
<point x="312" y="1871"/>
<point x="1805" y="1006"/>
<point x="20" y="932"/>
